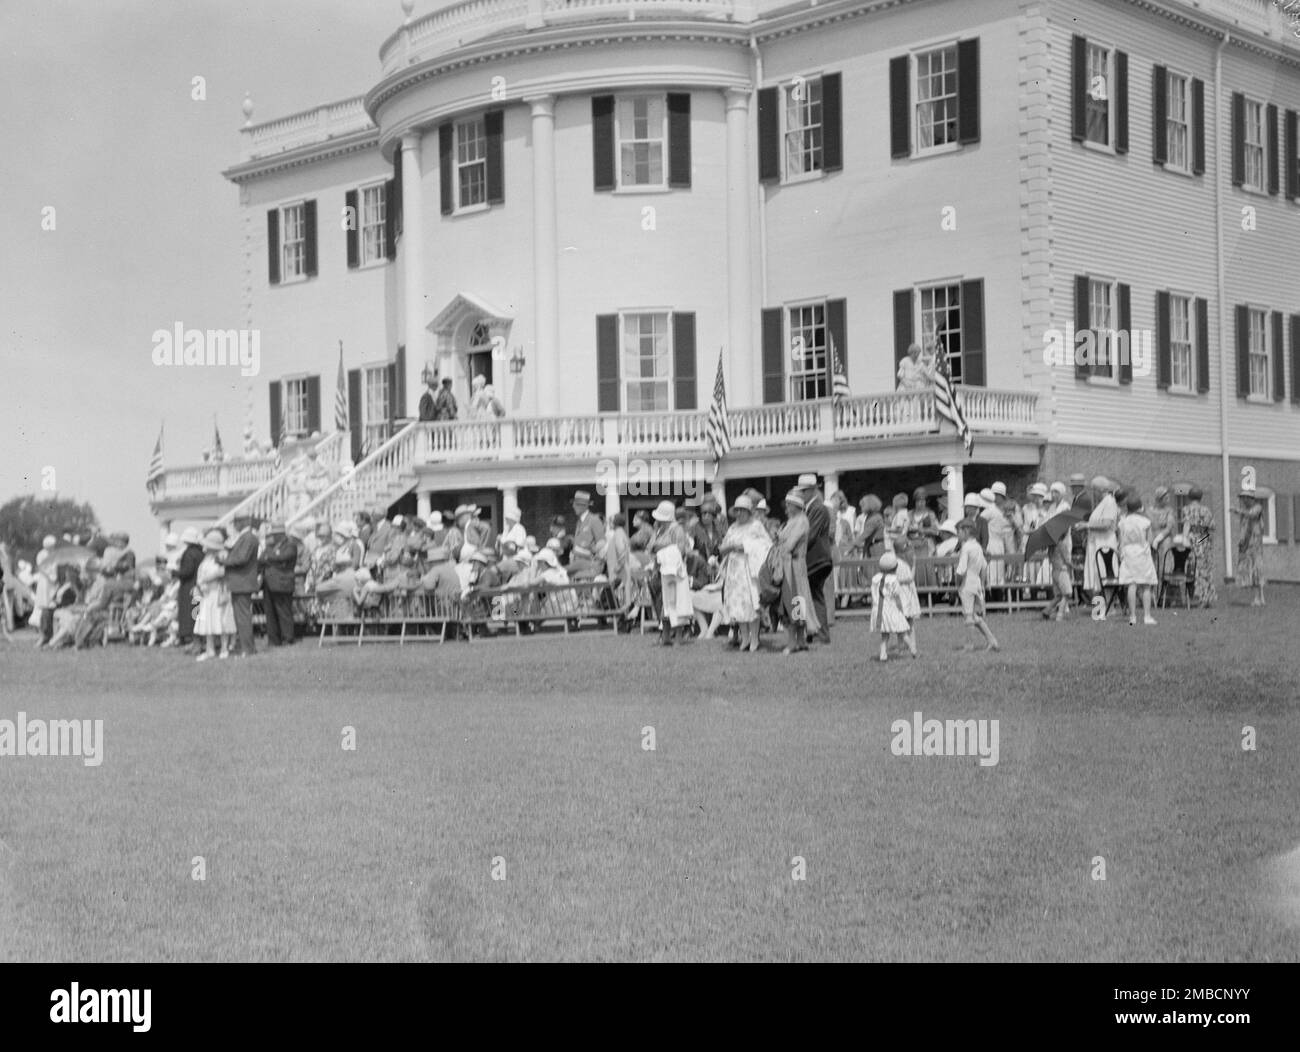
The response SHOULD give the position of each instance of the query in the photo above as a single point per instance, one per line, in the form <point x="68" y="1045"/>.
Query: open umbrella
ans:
<point x="1054" y="529"/>
<point x="65" y="555"/>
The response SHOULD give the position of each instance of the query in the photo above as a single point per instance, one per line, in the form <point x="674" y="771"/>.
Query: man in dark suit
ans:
<point x="241" y="579"/>
<point x="820" y="562"/>
<point x="428" y="400"/>
<point x="279" y="558"/>
<point x="187" y="572"/>
<point x="588" y="552"/>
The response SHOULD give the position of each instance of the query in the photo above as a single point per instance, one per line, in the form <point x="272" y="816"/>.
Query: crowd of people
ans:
<point x="749" y="569"/>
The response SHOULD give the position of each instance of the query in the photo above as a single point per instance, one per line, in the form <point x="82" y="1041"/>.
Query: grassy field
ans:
<point x="1117" y="742"/>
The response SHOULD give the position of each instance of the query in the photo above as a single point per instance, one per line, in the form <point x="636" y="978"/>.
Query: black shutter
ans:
<point x="607" y="394"/>
<point x="1120" y="102"/>
<point x="390" y="219"/>
<point x="396" y="200"/>
<point x="1270" y="118"/>
<point x="391" y="370"/>
<point x="397" y="392"/>
<point x="1202" y="346"/>
<point x="1079" y="91"/>
<point x="602" y="141"/>
<point x="1164" y="350"/>
<point x="494" y="128"/>
<point x="1125" y="341"/>
<point x="353" y="239"/>
<point x="1283" y="520"/>
<point x="769" y="137"/>
<point x="1279" y="359"/>
<point x="679" y="141"/>
<point x="273" y="389"/>
<point x="273" y="244"/>
<point x="968" y="90"/>
<point x="313" y="404"/>
<point x="1291" y="162"/>
<point x="1295" y="360"/>
<point x="309" y="237"/>
<point x="900" y="106"/>
<point x="684" y="360"/>
<point x="1295" y="517"/>
<point x="773" y="355"/>
<point x="1198" y="127"/>
<point x="446" y="133"/>
<point x="1159" y="114"/>
<point x="902" y="325"/>
<point x="1243" y="351"/>
<point x="1238" y="138"/>
<point x="1082" y="323"/>
<point x="832" y="123"/>
<point x="972" y="333"/>
<point x="355" y="424"/>
<point x="837" y="326"/>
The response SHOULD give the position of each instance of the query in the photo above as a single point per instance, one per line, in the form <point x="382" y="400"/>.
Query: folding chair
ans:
<point x="1176" y="572"/>
<point x="1108" y="573"/>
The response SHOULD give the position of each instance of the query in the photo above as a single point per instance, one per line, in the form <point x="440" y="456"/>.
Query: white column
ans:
<point x="543" y="360"/>
<point x="743" y="379"/>
<point x="424" y="504"/>
<point x="830" y="485"/>
<point x="613" y="502"/>
<point x="418" y="347"/>
<point x="954" y="485"/>
<point x="509" y="499"/>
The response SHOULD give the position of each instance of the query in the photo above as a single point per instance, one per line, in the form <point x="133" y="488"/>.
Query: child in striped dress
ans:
<point x="888" y="606"/>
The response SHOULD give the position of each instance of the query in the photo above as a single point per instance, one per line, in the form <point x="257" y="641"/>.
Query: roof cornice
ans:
<point x="353" y="142"/>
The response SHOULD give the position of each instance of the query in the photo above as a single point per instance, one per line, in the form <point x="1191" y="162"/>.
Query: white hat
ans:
<point x="807" y="481"/>
<point x="171" y="541"/>
<point x="1058" y="487"/>
<point x="973" y="500"/>
<point x="191" y="535"/>
<point x="1038" y="490"/>
<point x="665" y="512"/>
<point x="510" y="513"/>
<point x="1000" y="488"/>
<point x="744" y="503"/>
<point x="546" y="555"/>
<point x="986" y="495"/>
<point x="49" y="541"/>
<point x="435" y="519"/>
<point x="889" y="561"/>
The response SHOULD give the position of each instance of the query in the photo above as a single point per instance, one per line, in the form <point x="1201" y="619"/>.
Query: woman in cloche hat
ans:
<point x="796" y="594"/>
<point x="216" y="616"/>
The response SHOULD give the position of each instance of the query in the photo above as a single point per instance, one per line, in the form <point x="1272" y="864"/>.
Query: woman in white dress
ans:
<point x="215" y="618"/>
<point x="998" y="527"/>
<point x="1137" y="569"/>
<point x="743" y="551"/>
<point x="1038" y="572"/>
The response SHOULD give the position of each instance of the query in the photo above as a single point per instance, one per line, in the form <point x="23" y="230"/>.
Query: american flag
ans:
<point x="719" y="431"/>
<point x="155" y="463"/>
<point x="945" y="399"/>
<point x="281" y="440"/>
<point x="218" y="451"/>
<point x="341" y="396"/>
<point x="839" y="378"/>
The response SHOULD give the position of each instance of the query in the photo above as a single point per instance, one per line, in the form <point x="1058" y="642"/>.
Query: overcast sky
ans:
<point x="97" y="120"/>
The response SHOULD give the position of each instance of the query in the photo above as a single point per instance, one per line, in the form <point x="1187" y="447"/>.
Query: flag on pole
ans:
<point x="839" y="378"/>
<point x="341" y="396"/>
<point x="155" y="473"/>
<point x="218" y="453"/>
<point x="718" y="430"/>
<point x="280" y="440"/>
<point x="945" y="399"/>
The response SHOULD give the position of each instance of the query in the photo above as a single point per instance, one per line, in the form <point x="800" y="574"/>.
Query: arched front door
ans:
<point x="478" y="356"/>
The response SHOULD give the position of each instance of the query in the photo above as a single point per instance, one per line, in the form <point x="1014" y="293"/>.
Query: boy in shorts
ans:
<point x="971" y="571"/>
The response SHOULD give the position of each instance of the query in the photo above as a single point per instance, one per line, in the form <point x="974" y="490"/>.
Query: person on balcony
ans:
<point x="429" y="400"/>
<point x="912" y="374"/>
<point x="444" y="406"/>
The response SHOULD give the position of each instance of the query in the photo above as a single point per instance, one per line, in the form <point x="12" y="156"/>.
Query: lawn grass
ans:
<point x="1114" y="741"/>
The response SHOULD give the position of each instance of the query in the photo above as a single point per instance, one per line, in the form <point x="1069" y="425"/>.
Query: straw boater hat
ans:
<point x="889" y="561"/>
<point x="276" y="525"/>
<point x="213" y="541"/>
<point x="807" y="481"/>
<point x="1104" y="484"/>
<point x="795" y="498"/>
<point x="665" y="512"/>
<point x="465" y="509"/>
<point x="1078" y="479"/>
<point x="743" y="503"/>
<point x="191" y="535"/>
<point x="582" y="497"/>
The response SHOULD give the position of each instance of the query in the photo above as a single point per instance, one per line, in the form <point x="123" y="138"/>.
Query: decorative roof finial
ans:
<point x="248" y="110"/>
<point x="408" y="6"/>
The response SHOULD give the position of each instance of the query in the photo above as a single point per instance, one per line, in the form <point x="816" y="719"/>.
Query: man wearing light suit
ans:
<point x="241" y="579"/>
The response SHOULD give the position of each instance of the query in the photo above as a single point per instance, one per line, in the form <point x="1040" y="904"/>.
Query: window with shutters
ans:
<point x="809" y="359"/>
<point x="295" y="407"/>
<point x="1177" y="122"/>
<point x="941" y="324"/>
<point x="374" y="416"/>
<point x="802" y="127"/>
<point x="1253" y="133"/>
<point x="936" y="99"/>
<point x="1181" y="377"/>
<point x="374" y="204"/>
<point x="293" y="242"/>
<point x="647" y="361"/>
<point x="1259" y="355"/>
<point x="1099" y="112"/>
<point x="471" y="163"/>
<point x="1102" y="303"/>
<point x="641" y="131"/>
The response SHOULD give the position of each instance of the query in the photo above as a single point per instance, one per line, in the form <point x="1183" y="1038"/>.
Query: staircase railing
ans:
<point x="369" y="482"/>
<point x="268" y="500"/>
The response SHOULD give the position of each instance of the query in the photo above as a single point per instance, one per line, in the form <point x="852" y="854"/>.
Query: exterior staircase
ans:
<point x="379" y="480"/>
<point x="269" y="500"/>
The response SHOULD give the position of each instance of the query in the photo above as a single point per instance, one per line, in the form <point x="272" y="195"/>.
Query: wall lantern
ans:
<point x="517" y="360"/>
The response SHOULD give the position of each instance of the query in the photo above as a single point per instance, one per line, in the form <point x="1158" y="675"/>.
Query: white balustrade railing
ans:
<point x="269" y="500"/>
<point x="222" y="479"/>
<point x="302" y="129"/>
<point x="558" y="436"/>
<point x="371" y="482"/>
<point x="784" y="424"/>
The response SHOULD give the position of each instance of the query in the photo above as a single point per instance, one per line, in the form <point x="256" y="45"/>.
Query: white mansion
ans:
<point x="589" y="202"/>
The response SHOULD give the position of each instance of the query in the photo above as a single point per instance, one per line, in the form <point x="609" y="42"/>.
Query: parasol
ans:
<point x="1054" y="529"/>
